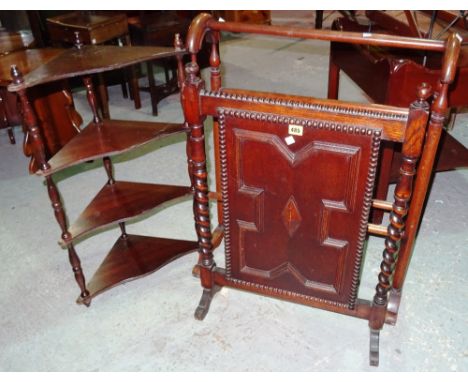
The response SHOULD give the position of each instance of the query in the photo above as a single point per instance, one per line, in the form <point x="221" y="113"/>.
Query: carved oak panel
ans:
<point x="296" y="197"/>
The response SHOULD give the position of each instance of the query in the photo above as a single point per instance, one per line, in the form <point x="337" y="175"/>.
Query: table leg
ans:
<point x="133" y="79"/>
<point x="103" y="96"/>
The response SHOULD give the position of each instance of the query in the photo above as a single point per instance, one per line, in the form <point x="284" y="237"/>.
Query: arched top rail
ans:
<point x="204" y="23"/>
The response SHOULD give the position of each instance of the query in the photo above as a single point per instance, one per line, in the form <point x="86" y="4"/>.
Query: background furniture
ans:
<point x="394" y="75"/>
<point x="132" y="255"/>
<point x="157" y="28"/>
<point x="249" y="17"/>
<point x="95" y="29"/>
<point x="9" y="112"/>
<point x="57" y="119"/>
<point x="295" y="179"/>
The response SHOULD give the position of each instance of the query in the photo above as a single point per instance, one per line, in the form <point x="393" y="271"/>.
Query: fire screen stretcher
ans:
<point x="295" y="179"/>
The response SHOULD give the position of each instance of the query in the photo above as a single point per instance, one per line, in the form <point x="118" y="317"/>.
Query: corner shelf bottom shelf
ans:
<point x="134" y="257"/>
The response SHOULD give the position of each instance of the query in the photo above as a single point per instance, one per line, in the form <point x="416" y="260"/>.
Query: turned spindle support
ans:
<point x="5" y="123"/>
<point x="78" y="43"/>
<point x="124" y="234"/>
<point x="180" y="49"/>
<point x="412" y="147"/>
<point x="72" y="255"/>
<point x="190" y="99"/>
<point x="215" y="83"/>
<point x="109" y="171"/>
<point x="92" y="100"/>
<point x="103" y="96"/>
<point x="434" y="131"/>
<point x="30" y="121"/>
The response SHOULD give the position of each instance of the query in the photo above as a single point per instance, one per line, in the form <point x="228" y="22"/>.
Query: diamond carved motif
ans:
<point x="291" y="216"/>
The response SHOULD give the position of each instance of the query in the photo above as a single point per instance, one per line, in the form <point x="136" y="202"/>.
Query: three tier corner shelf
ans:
<point x="131" y="256"/>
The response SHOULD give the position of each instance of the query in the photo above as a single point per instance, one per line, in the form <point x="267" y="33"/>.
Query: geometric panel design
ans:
<point x="291" y="216"/>
<point x="296" y="212"/>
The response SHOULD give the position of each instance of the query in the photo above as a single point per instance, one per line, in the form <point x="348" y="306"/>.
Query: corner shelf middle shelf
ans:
<point x="107" y="138"/>
<point x="119" y="202"/>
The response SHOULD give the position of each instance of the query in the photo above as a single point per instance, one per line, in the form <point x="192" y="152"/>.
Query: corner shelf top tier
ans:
<point x="90" y="59"/>
<point x="119" y="202"/>
<point x="26" y="61"/>
<point x="106" y="138"/>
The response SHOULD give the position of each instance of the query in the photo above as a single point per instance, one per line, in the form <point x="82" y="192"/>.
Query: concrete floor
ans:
<point x="148" y="324"/>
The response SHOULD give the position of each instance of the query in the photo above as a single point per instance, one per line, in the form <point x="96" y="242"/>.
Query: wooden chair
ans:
<point x="295" y="179"/>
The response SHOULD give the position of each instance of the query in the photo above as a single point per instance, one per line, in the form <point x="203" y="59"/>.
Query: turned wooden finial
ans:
<point x="179" y="47"/>
<point x="178" y="43"/>
<point x="448" y="72"/>
<point x="78" y="43"/>
<point x="16" y="75"/>
<point x="424" y="91"/>
<point x="192" y="69"/>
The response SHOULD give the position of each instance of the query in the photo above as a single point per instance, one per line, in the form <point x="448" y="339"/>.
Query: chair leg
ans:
<point x="123" y="84"/>
<point x="11" y="135"/>
<point x="374" y="347"/>
<point x="152" y="88"/>
<point x="166" y="71"/>
<point x="134" y="89"/>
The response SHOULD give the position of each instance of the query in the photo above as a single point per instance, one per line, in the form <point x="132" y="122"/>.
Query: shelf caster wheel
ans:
<point x="205" y="302"/>
<point x="374" y="347"/>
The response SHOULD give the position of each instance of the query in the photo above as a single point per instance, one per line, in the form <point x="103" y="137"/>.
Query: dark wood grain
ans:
<point x="57" y="119"/>
<point x="135" y="256"/>
<point x="395" y="76"/>
<point x="61" y="218"/>
<point x="93" y="28"/>
<point x="453" y="155"/>
<point x="392" y="120"/>
<point x="26" y="61"/>
<point x="120" y="201"/>
<point x="274" y="239"/>
<point x="13" y="41"/>
<point x="91" y="59"/>
<point x="110" y="137"/>
<point x="205" y="23"/>
<point x="292" y="172"/>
